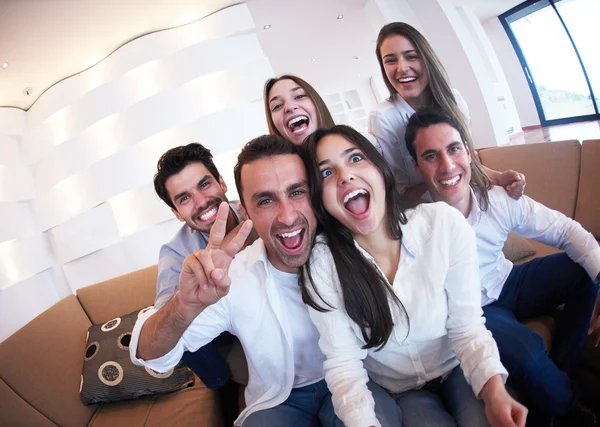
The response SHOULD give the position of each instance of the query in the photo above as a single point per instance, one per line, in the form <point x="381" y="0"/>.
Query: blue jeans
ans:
<point x="311" y="406"/>
<point x="533" y="289"/>
<point x="445" y="404"/>
<point x="208" y="364"/>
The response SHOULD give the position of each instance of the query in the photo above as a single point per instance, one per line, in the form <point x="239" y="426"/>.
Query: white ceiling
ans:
<point x="45" y="41"/>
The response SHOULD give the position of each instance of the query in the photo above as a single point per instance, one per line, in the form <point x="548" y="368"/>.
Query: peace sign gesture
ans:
<point x="204" y="277"/>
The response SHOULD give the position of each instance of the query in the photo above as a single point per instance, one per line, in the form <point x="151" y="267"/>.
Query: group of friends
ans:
<point x="366" y="282"/>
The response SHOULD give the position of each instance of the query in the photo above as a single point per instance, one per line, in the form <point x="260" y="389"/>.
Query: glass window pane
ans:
<point x="553" y="64"/>
<point x="581" y="18"/>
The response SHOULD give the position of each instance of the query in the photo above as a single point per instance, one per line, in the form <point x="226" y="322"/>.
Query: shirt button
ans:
<point x="415" y="359"/>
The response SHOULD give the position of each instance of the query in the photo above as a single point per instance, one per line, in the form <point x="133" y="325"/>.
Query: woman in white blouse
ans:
<point x="395" y="295"/>
<point x="416" y="78"/>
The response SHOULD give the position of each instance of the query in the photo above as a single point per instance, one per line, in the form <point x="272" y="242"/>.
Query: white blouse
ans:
<point x="437" y="281"/>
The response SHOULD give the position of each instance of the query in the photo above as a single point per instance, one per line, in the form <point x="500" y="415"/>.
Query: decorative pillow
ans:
<point x="108" y="373"/>
<point x="517" y="247"/>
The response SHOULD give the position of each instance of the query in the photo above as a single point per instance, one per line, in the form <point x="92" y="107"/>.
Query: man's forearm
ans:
<point x="164" y="328"/>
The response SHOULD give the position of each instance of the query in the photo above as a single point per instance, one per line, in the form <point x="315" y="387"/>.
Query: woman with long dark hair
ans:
<point x="395" y="294"/>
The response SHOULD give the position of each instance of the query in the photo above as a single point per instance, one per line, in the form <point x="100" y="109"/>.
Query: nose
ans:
<point x="198" y="199"/>
<point x="287" y="212"/>
<point x="402" y="66"/>
<point x="446" y="163"/>
<point x="345" y="177"/>
<point x="290" y="106"/>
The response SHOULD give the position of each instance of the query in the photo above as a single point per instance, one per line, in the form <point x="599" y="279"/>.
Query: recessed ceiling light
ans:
<point x="355" y="57"/>
<point x="5" y="65"/>
<point x="340" y="17"/>
<point x="313" y="60"/>
<point x="266" y="27"/>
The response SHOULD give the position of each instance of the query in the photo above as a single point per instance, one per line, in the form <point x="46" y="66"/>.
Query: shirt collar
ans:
<point x="411" y="241"/>
<point x="475" y="211"/>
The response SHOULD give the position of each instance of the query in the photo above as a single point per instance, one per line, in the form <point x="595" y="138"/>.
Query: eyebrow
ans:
<point x="271" y="194"/>
<point x="344" y="154"/>
<point x="404" y="52"/>
<point x="278" y="97"/>
<point x="199" y="184"/>
<point x="431" y="151"/>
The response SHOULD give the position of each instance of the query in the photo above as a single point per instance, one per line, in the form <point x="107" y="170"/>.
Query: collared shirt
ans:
<point x="387" y="122"/>
<point x="437" y="282"/>
<point x="254" y="311"/>
<point x="529" y="219"/>
<point x="172" y="254"/>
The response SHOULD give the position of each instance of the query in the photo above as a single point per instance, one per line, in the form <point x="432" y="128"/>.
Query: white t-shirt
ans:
<point x="308" y="358"/>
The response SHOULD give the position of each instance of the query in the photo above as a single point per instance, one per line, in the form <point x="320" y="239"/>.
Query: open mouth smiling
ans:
<point x="298" y="124"/>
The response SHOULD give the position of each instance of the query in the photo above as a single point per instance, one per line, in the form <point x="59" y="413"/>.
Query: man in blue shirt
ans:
<point x="188" y="181"/>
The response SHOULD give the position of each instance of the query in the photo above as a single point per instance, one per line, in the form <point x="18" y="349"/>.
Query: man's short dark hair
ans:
<point x="259" y="148"/>
<point x="429" y="117"/>
<point x="175" y="160"/>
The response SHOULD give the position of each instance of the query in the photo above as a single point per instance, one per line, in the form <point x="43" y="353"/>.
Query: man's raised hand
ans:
<point x="204" y="277"/>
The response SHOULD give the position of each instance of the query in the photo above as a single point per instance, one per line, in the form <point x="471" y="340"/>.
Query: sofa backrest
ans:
<point x="115" y="297"/>
<point x="40" y="369"/>
<point x="551" y="170"/>
<point x="588" y="199"/>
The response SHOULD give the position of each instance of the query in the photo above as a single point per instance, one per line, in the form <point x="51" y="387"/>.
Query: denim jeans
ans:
<point x="447" y="404"/>
<point x="311" y="406"/>
<point x="532" y="289"/>
<point x="208" y="364"/>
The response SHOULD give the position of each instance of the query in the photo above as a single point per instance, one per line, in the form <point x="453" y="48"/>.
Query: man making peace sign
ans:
<point x="255" y="297"/>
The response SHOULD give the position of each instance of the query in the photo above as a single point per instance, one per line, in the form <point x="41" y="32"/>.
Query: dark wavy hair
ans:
<point x="366" y="292"/>
<point x="175" y="160"/>
<point x="323" y="114"/>
<point x="426" y="117"/>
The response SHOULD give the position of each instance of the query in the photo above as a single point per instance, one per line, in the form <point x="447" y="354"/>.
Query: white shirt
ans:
<point x="308" y="369"/>
<point x="254" y="311"/>
<point x="437" y="281"/>
<point x="529" y="219"/>
<point x="387" y="122"/>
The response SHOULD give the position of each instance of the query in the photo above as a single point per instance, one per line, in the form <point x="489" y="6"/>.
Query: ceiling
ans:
<point x="45" y="41"/>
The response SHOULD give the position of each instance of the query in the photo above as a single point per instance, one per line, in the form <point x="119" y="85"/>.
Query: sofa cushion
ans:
<point x="42" y="363"/>
<point x="517" y="247"/>
<point x="108" y="373"/>
<point x="588" y="202"/>
<point x="551" y="170"/>
<point x="197" y="406"/>
<point x="106" y="300"/>
<point x="16" y="412"/>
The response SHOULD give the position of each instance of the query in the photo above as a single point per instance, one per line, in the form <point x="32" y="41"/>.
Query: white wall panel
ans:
<point x="230" y="21"/>
<point x="24" y="258"/>
<point x="16" y="221"/>
<point x="139" y="209"/>
<point x="94" y="229"/>
<point x="10" y="150"/>
<point x="130" y="254"/>
<point x="12" y="121"/>
<point x="22" y="302"/>
<point x="16" y="183"/>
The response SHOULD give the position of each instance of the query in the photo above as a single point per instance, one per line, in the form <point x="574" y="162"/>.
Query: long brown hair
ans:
<point x="366" y="292"/>
<point x="440" y="91"/>
<point x="323" y="115"/>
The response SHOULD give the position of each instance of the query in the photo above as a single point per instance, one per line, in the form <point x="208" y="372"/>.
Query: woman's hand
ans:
<point x="501" y="409"/>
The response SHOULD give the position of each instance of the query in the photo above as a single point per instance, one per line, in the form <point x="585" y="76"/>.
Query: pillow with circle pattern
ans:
<point x="108" y="373"/>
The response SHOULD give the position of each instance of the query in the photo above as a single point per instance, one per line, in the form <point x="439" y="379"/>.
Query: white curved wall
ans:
<point x="76" y="170"/>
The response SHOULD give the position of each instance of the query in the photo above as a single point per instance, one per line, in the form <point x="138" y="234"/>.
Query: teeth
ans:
<point x="290" y="234"/>
<point x="354" y="194"/>
<point x="296" y="120"/>
<point x="209" y="214"/>
<point x="452" y="181"/>
<point x="407" y="79"/>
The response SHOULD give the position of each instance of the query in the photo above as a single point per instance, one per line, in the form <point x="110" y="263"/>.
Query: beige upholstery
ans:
<point x="588" y="198"/>
<point x="42" y="363"/>
<point x="551" y="170"/>
<point x="122" y="295"/>
<point x="197" y="405"/>
<point x="16" y="412"/>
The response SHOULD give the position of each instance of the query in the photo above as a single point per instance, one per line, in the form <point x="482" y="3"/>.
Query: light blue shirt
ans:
<point x="172" y="254"/>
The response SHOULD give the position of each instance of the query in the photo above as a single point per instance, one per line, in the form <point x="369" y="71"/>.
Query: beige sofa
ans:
<point x="40" y="365"/>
